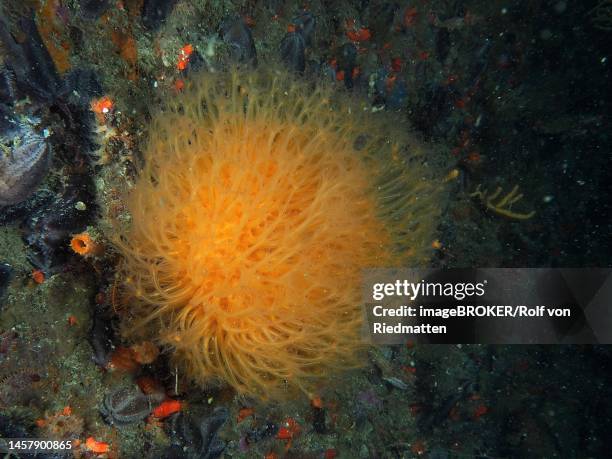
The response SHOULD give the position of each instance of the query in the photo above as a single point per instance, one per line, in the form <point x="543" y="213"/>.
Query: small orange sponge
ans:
<point x="259" y="203"/>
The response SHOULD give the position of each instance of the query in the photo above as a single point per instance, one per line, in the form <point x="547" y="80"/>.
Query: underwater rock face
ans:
<point x="29" y="62"/>
<point x="21" y="367"/>
<point x="24" y="159"/>
<point x="79" y="86"/>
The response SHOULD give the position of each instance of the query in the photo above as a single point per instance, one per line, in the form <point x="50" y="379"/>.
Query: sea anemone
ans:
<point x="260" y="201"/>
<point x="83" y="244"/>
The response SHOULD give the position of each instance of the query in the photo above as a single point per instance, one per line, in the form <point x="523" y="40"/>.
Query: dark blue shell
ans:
<point x="155" y="12"/>
<point x="196" y="437"/>
<point x="237" y="35"/>
<point x="24" y="158"/>
<point x="6" y="275"/>
<point x="292" y="51"/>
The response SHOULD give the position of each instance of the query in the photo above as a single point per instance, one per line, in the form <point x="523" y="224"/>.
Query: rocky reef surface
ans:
<point x="512" y="95"/>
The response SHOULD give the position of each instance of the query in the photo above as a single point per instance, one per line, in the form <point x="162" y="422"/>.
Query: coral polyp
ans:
<point x="259" y="203"/>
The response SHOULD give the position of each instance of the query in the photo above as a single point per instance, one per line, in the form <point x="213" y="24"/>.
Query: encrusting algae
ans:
<point x="260" y="201"/>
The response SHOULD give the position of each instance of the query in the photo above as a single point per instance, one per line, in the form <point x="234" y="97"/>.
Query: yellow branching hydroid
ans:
<point x="260" y="202"/>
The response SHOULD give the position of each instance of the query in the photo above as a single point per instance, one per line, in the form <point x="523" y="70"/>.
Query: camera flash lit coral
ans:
<point x="259" y="202"/>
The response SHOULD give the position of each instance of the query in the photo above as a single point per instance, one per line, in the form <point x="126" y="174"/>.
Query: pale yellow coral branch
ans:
<point x="504" y="204"/>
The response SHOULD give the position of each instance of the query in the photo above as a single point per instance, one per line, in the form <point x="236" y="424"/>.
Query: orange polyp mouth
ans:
<point x="252" y="221"/>
<point x="79" y="246"/>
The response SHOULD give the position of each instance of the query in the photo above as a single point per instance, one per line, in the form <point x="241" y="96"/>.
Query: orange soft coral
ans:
<point x="259" y="203"/>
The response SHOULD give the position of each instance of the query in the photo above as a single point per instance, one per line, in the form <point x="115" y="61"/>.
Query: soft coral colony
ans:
<point x="260" y="201"/>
